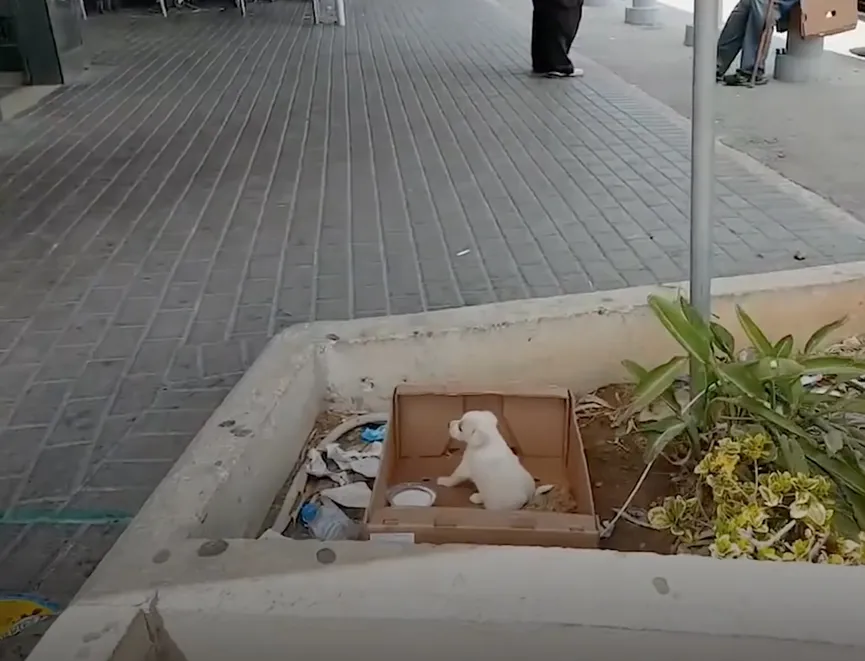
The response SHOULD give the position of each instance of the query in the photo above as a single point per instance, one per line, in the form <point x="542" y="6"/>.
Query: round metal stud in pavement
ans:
<point x="325" y="556"/>
<point x="212" y="547"/>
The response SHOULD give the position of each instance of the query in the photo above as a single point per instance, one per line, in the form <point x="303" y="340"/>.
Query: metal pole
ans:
<point x="703" y="152"/>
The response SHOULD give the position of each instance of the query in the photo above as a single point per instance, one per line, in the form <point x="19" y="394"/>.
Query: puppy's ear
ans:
<point x="475" y="434"/>
<point x="469" y="433"/>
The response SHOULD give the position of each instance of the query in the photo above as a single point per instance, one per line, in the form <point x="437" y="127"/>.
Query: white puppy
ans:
<point x="502" y="481"/>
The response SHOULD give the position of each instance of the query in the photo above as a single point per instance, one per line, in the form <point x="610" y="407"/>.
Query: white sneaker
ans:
<point x="576" y="73"/>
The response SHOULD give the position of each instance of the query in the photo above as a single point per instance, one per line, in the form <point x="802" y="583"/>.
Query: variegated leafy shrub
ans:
<point x="764" y="391"/>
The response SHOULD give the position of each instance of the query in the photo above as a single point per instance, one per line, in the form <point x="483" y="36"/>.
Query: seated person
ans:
<point x="742" y="32"/>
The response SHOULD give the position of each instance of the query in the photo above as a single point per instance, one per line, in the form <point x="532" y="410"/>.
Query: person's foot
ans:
<point x="743" y="79"/>
<point x="564" y="73"/>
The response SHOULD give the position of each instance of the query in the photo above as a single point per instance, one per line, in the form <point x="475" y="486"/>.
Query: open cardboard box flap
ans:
<point x="537" y="423"/>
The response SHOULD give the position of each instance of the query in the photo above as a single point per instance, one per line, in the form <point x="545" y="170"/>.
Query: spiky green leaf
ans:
<point x="794" y="393"/>
<point x="659" y="444"/>
<point x="635" y="369"/>
<point x="700" y="381"/>
<point x="771" y="368"/>
<point x="655" y="427"/>
<point x="639" y="373"/>
<point x="654" y="384"/>
<point x="758" y="339"/>
<point x="784" y="347"/>
<point x="742" y="377"/>
<point x="821" y="334"/>
<point x="674" y="320"/>
<point x="840" y="471"/>
<point x="724" y="340"/>
<point x="834" y="440"/>
<point x="844" y="521"/>
<point x="768" y="415"/>
<point x="854" y="404"/>
<point x="693" y="317"/>
<point x="857" y="505"/>
<point x="848" y="368"/>
<point x="793" y="454"/>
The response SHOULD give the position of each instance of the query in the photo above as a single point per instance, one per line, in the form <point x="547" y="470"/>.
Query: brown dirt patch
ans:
<point x="614" y="467"/>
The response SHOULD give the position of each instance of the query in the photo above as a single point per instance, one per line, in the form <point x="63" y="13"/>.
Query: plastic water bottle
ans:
<point x="327" y="522"/>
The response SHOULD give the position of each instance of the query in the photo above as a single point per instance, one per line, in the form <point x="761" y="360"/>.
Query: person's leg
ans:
<point x="565" y="19"/>
<point x="753" y="33"/>
<point x="566" y="23"/>
<point x="575" y="17"/>
<point x="540" y="38"/>
<point x="732" y="36"/>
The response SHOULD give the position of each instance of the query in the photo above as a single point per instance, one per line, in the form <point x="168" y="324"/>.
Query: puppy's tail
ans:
<point x="544" y="488"/>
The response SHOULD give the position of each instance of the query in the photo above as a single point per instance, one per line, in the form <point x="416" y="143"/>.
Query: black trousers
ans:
<point x="554" y="27"/>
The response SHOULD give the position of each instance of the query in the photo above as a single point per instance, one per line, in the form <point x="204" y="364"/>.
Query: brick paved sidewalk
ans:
<point x="218" y="180"/>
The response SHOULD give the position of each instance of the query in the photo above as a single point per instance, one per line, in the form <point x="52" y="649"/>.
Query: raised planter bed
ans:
<point x="193" y="544"/>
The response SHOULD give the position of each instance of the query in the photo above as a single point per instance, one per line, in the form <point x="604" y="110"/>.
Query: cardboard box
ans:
<point x="820" y="18"/>
<point x="540" y="426"/>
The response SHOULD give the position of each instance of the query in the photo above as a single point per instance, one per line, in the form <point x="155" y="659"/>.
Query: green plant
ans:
<point x="814" y="432"/>
<point x="746" y="509"/>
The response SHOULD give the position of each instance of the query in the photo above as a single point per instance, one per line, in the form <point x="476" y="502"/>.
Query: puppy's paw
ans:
<point x="544" y="489"/>
<point x="476" y="499"/>
<point x="444" y="481"/>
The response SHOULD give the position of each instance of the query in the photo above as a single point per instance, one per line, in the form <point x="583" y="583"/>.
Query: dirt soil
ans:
<point x="615" y="466"/>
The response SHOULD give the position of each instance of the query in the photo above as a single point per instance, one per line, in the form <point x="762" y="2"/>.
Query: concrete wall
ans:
<point x="576" y="341"/>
